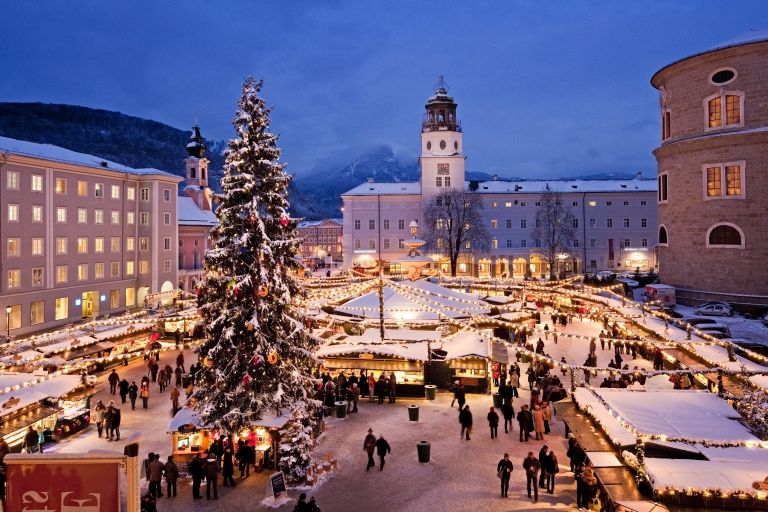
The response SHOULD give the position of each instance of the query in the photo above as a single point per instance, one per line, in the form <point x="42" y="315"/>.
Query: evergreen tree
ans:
<point x="256" y="358"/>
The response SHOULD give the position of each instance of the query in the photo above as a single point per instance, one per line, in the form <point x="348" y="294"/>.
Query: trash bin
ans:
<point x="429" y="391"/>
<point x="341" y="409"/>
<point x="413" y="413"/>
<point x="497" y="400"/>
<point x="423" y="449"/>
<point x="186" y="380"/>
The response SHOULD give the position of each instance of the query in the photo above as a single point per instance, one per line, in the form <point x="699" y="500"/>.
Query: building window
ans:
<point x="82" y="188"/>
<point x="144" y="194"/>
<point x="522" y="203"/>
<point x="14" y="278"/>
<point x="166" y="195"/>
<point x="98" y="216"/>
<point x="130" y="243"/>
<point x="508" y="204"/>
<point x="15" y="317"/>
<point x="385" y="243"/>
<point x="643" y="203"/>
<point x="575" y="242"/>
<point x="468" y="244"/>
<point x="439" y="181"/>
<point x="167" y="243"/>
<point x="14" y="249"/>
<point x="663" y="240"/>
<point x="129" y="268"/>
<point x="61" y="309"/>
<point x="509" y="244"/>
<point x="447" y="181"/>
<point x="371" y="224"/>
<point x="725" y="236"/>
<point x="143" y="244"/>
<point x="644" y="242"/>
<point x="627" y="242"/>
<point x="115" y="191"/>
<point x="167" y="265"/>
<point x="143" y="267"/>
<point x="98" y="189"/>
<point x="643" y="223"/>
<point x="494" y="244"/>
<point x="61" y="245"/>
<point x="371" y="244"/>
<point x="82" y="216"/>
<point x="130" y="218"/>
<point x="82" y="272"/>
<point x="609" y="203"/>
<point x="523" y="223"/>
<point x="734" y="104"/>
<point x="592" y="263"/>
<point x="130" y="193"/>
<point x="37" y="276"/>
<point x="401" y="224"/>
<point x="575" y="203"/>
<point x="666" y="124"/>
<point x="114" y="299"/>
<point x="114" y="269"/>
<point x="400" y="244"/>
<point x="37" y="183"/>
<point x="357" y="244"/>
<point x="98" y="244"/>
<point x="537" y="204"/>
<point x="61" y="215"/>
<point x="61" y="186"/>
<point x="626" y="223"/>
<point x="609" y="223"/>
<point x="166" y="218"/>
<point x="592" y="242"/>
<point x="12" y="180"/>
<point x="592" y="223"/>
<point x="130" y="297"/>
<point x="61" y="274"/>
<point x="386" y="223"/>
<point x="575" y="223"/>
<point x="592" y="203"/>
<point x="508" y="223"/>
<point x="114" y="244"/>
<point x="37" y="213"/>
<point x="82" y="245"/>
<point x="357" y="224"/>
<point x="37" y="247"/>
<point x="115" y="216"/>
<point x="626" y="203"/>
<point x="98" y="270"/>
<point x="37" y="312"/>
<point x="494" y="204"/>
<point x="523" y="243"/>
<point x="724" y="180"/>
<point x="494" y="223"/>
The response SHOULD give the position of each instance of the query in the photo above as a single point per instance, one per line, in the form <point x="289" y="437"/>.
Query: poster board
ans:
<point x="277" y="483"/>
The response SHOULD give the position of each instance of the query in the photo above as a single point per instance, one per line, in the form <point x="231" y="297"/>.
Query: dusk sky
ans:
<point x="545" y="89"/>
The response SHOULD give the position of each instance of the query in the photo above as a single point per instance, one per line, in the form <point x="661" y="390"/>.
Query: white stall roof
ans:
<point x="189" y="416"/>
<point x="466" y="344"/>
<point x="416" y="351"/>
<point x="53" y="388"/>
<point x="372" y="335"/>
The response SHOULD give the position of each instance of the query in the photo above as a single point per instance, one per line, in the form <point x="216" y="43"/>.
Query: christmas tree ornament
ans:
<point x="263" y="291"/>
<point x="284" y="221"/>
<point x="208" y="362"/>
<point x="272" y="358"/>
<point x="249" y="326"/>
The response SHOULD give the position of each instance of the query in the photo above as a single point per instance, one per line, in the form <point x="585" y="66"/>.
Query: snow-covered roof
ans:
<point x="466" y="344"/>
<point x="372" y="335"/>
<point x="59" y="154"/>
<point x="189" y="214"/>
<point x="719" y="355"/>
<point x="415" y="351"/>
<point x="54" y="387"/>
<point x="563" y="186"/>
<point x="374" y="189"/>
<point x="189" y="416"/>
<point x="313" y="223"/>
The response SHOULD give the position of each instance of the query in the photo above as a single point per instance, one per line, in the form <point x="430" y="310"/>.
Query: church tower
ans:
<point x="442" y="149"/>
<point x="197" y="170"/>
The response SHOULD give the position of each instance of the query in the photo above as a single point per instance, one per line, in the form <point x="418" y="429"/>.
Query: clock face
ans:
<point x="442" y="144"/>
<point x="456" y="145"/>
<point x="429" y="145"/>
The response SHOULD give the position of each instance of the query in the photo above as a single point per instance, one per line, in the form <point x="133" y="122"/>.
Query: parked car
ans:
<point x="716" y="330"/>
<point x="715" y="310"/>
<point x="700" y="321"/>
<point x="713" y="303"/>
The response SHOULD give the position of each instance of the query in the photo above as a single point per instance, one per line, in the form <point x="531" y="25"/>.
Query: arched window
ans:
<point x="725" y="235"/>
<point x="663" y="239"/>
<point x="192" y="174"/>
<point x="724" y="109"/>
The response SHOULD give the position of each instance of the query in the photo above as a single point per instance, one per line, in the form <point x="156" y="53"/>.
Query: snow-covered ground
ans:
<point x="741" y="328"/>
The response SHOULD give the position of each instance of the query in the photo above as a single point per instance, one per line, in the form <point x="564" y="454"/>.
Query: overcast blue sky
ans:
<point x="544" y="89"/>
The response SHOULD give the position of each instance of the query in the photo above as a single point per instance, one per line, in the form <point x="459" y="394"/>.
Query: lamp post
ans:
<point x="8" y="310"/>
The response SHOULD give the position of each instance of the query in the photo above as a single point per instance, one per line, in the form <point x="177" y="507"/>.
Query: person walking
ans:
<point x="155" y="476"/>
<point x="114" y="423"/>
<point x="504" y="471"/>
<point x="175" y="398"/>
<point x="98" y="416"/>
<point x="532" y="467"/>
<point x="161" y="379"/>
<point x="493" y="423"/>
<point x="228" y="467"/>
<point x="144" y="393"/>
<point x="113" y="379"/>
<point x="382" y="449"/>
<point x="123" y="389"/>
<point x="171" y="475"/>
<point x="455" y="392"/>
<point x="354" y="396"/>
<point x="180" y="362"/>
<point x="133" y="393"/>
<point x="538" y="422"/>
<point x="369" y="445"/>
<point x="461" y="397"/>
<point x="392" y="387"/>
<point x="245" y="456"/>
<point x="196" y="470"/>
<point x="509" y="414"/>
<point x="211" y="470"/>
<point x="542" y="460"/>
<point x="551" y="468"/>
<point x="525" y="422"/>
<point x="546" y="411"/>
<point x="371" y="386"/>
<point x="465" y="418"/>
<point x="178" y="373"/>
<point x="514" y="381"/>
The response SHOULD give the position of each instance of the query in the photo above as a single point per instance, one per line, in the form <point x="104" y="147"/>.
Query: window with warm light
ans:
<point x="37" y="213"/>
<point x="115" y="191"/>
<point x="37" y="183"/>
<point x="61" y="215"/>
<point x="82" y="272"/>
<point x="37" y="276"/>
<point x="143" y="267"/>
<point x="61" y="309"/>
<point x="12" y="180"/>
<point x="724" y="109"/>
<point x="98" y="216"/>
<point x="37" y="312"/>
<point x="724" y="181"/>
<point x="114" y="299"/>
<point x="130" y="193"/>
<point x="129" y="268"/>
<point x="14" y="247"/>
<point x="130" y="297"/>
<point x="82" y="188"/>
<point x="14" y="278"/>
<point x="130" y="218"/>
<point x="98" y="270"/>
<point x="60" y="185"/>
<point x="114" y="244"/>
<point x="61" y="274"/>
<point x="115" y="217"/>
<point x="130" y="243"/>
<point x="14" y="319"/>
<point x="37" y="247"/>
<point x="82" y="245"/>
<point x="13" y="213"/>
<point x="98" y="244"/>
<point x="82" y="216"/>
<point x="61" y="245"/>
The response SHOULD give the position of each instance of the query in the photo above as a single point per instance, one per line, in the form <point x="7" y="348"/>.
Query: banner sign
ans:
<point x="63" y="486"/>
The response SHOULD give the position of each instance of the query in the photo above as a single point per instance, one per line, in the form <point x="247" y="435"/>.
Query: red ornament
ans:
<point x="155" y="336"/>
<point x="236" y="290"/>
<point x="284" y="221"/>
<point x="199" y="291"/>
<point x="246" y="380"/>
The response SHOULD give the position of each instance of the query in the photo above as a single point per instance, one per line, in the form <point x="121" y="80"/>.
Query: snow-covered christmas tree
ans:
<point x="256" y="358"/>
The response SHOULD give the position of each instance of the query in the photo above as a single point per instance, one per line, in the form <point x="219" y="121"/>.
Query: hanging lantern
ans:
<point x="272" y="358"/>
<point x="263" y="291"/>
<point x="208" y="362"/>
<point x="284" y="221"/>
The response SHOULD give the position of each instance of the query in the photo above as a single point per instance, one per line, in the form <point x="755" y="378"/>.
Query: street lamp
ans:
<point x="8" y="310"/>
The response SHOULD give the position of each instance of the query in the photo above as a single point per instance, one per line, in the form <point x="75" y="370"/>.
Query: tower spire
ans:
<point x="441" y="87"/>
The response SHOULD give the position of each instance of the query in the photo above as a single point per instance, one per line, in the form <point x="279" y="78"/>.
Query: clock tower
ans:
<point x="442" y="148"/>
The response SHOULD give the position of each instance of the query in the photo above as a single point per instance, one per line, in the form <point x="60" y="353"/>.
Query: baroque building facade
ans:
<point x="615" y="220"/>
<point x="712" y="184"/>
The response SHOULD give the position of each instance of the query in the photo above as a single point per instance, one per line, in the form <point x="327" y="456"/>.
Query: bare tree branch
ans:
<point x="554" y="231"/>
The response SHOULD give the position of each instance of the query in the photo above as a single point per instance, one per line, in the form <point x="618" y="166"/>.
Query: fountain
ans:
<point x="414" y="261"/>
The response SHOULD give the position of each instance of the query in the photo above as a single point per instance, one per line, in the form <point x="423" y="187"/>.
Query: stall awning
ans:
<point x="188" y="420"/>
<point x="499" y="352"/>
<point x="390" y="365"/>
<point x="88" y="350"/>
<point x="467" y="364"/>
<point x="23" y="421"/>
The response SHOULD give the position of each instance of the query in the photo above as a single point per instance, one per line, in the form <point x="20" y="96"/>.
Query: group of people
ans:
<point x="107" y="419"/>
<point x="539" y="472"/>
<point x="333" y="389"/>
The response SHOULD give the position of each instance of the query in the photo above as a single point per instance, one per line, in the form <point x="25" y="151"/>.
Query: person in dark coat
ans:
<point x="178" y="373"/>
<point x="504" y="470"/>
<point x="532" y="467"/>
<point x="369" y="445"/>
<point x="392" y="387"/>
<point x="114" y="423"/>
<point x="196" y="470"/>
<point x="509" y="414"/>
<point x="123" y="386"/>
<point x="211" y="470"/>
<point x="113" y="379"/>
<point x="551" y="468"/>
<point x="364" y="391"/>
<point x="171" y="475"/>
<point x="228" y="467"/>
<point x="465" y="418"/>
<point x="493" y="423"/>
<point x="381" y="388"/>
<point x="543" y="461"/>
<point x="525" y="422"/>
<point x="133" y="394"/>
<point x="243" y="455"/>
<point x="382" y="449"/>
<point x="461" y="396"/>
<point x="301" y="504"/>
